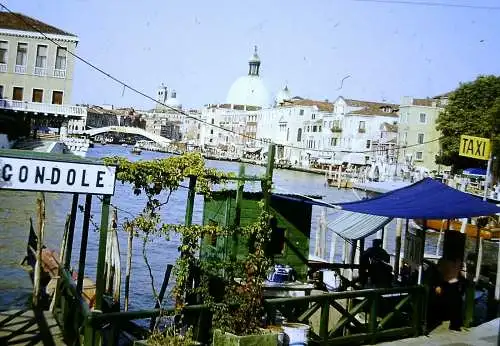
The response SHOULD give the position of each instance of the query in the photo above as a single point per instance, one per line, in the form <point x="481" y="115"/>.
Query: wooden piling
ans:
<point x="129" y="265"/>
<point x="62" y="256"/>
<point x="38" y="265"/>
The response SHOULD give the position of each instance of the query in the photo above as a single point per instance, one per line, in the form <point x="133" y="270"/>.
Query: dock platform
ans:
<point x="27" y="327"/>
<point x="483" y="335"/>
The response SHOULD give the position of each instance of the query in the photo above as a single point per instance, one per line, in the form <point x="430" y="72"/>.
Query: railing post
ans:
<point x="103" y="237"/>
<point x="89" y="332"/>
<point x="323" y="326"/>
<point x="71" y="232"/>
<point x="372" y="324"/>
<point x="418" y="309"/>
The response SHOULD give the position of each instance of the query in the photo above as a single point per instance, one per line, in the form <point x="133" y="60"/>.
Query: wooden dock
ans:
<point x="27" y="327"/>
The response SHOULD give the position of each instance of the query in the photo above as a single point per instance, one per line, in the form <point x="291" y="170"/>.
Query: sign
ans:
<point x="53" y="176"/>
<point x="475" y="147"/>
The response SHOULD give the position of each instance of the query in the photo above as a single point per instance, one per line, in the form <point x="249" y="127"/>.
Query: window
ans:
<point x="57" y="97"/>
<point x="37" y="95"/>
<point x="4" y="48"/>
<point x="368" y="143"/>
<point x="22" y="54"/>
<point x="423" y="118"/>
<point x="299" y="135"/>
<point x="301" y="112"/>
<point x="418" y="155"/>
<point x="361" y="127"/>
<point x="287" y="134"/>
<point x="319" y="128"/>
<point x="211" y="131"/>
<point x="1" y="91"/>
<point x="308" y="129"/>
<point x="333" y="142"/>
<point x="313" y="116"/>
<point x="212" y="121"/>
<point x="405" y="137"/>
<point x="17" y="93"/>
<point x="420" y="139"/>
<point x="315" y="128"/>
<point x="61" y="58"/>
<point x="41" y="56"/>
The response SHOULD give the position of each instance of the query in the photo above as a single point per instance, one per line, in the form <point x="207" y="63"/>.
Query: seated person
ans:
<point x="374" y="265"/>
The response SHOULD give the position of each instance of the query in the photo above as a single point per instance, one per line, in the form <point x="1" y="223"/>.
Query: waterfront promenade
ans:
<point x="27" y="327"/>
<point x="484" y="335"/>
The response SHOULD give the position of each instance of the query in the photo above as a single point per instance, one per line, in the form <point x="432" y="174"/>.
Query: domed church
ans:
<point x="250" y="90"/>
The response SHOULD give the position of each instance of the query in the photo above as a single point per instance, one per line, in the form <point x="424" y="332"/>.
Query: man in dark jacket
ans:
<point x="374" y="264"/>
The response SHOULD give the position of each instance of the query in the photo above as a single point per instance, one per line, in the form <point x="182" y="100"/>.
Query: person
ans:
<point x="374" y="265"/>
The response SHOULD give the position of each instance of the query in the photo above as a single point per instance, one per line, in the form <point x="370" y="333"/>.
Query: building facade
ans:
<point x="417" y="133"/>
<point x="33" y="68"/>
<point x="36" y="74"/>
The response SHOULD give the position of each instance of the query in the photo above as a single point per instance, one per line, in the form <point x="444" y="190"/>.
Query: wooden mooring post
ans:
<point x="38" y="265"/>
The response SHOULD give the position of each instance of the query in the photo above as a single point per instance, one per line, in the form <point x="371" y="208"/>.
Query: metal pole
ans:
<point x="83" y="244"/>
<point x="399" y="228"/>
<point x="237" y="211"/>
<point x="69" y="244"/>
<point x="497" y="283"/>
<point x="129" y="265"/>
<point x="103" y="236"/>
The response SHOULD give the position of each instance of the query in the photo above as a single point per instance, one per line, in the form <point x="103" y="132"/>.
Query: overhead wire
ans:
<point x="187" y="115"/>
<point x="433" y="4"/>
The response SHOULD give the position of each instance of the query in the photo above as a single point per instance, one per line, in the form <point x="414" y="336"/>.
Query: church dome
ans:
<point x="249" y="90"/>
<point x="283" y="95"/>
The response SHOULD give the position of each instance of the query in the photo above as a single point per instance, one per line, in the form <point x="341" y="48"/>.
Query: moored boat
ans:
<point x="488" y="232"/>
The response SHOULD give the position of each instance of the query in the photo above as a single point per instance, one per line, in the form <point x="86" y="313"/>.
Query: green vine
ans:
<point x="240" y="309"/>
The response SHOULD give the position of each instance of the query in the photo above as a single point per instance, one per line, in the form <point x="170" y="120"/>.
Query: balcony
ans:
<point x="43" y="108"/>
<point x="40" y="71"/>
<point x="3" y="68"/>
<point x="336" y="129"/>
<point x="58" y="73"/>
<point x="20" y="69"/>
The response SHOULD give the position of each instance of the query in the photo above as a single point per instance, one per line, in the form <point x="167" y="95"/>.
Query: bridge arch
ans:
<point x="130" y="130"/>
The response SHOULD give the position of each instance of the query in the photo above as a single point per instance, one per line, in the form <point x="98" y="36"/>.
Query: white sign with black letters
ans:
<point x="53" y="176"/>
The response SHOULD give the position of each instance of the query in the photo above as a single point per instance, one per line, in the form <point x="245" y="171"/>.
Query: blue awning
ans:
<point x="475" y="171"/>
<point x="425" y="199"/>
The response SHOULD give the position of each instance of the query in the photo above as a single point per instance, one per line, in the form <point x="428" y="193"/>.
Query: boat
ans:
<point x="50" y="273"/>
<point x="136" y="150"/>
<point x="124" y="145"/>
<point x="488" y="232"/>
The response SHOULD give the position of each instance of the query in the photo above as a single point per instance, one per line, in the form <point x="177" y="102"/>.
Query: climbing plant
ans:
<point x="154" y="179"/>
<point x="240" y="307"/>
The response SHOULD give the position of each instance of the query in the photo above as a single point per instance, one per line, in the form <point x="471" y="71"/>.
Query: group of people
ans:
<point x="446" y="284"/>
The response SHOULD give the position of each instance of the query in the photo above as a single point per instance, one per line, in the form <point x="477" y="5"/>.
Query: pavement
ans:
<point x="486" y="334"/>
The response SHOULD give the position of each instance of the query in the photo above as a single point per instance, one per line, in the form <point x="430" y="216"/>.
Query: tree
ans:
<point x="472" y="109"/>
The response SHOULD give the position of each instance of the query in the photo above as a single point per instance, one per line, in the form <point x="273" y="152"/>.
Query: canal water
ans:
<point x="16" y="208"/>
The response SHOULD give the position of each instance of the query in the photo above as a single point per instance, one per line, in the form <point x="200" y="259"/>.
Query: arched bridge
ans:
<point x="131" y="130"/>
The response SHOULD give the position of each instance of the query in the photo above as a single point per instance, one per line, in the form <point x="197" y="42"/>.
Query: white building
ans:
<point x="356" y="125"/>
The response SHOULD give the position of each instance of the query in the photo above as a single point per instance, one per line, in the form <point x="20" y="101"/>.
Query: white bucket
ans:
<point x="295" y="334"/>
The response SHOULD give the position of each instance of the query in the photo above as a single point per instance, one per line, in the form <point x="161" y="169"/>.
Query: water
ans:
<point x="17" y="207"/>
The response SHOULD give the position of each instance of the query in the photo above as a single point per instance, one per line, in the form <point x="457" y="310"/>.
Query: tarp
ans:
<point x="348" y="225"/>
<point x="356" y="226"/>
<point x="425" y="199"/>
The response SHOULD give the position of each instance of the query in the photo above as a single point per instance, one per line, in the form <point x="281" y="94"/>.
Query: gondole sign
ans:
<point x="474" y="147"/>
<point x="54" y="176"/>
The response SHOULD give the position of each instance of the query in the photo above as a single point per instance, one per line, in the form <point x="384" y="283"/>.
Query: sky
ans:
<point x="199" y="48"/>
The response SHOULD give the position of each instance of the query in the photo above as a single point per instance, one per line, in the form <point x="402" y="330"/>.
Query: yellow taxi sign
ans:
<point x="475" y="147"/>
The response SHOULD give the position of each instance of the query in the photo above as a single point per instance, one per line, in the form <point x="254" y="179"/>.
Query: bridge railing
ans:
<point x="44" y="108"/>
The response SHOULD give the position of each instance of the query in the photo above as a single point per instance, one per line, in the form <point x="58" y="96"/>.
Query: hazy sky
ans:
<point x="200" y="47"/>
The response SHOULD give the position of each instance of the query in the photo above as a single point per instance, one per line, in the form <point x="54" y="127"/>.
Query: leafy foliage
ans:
<point x="240" y="309"/>
<point x="472" y="109"/>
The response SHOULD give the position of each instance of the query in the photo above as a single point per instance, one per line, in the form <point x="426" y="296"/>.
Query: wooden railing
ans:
<point x="70" y="310"/>
<point x="367" y="316"/>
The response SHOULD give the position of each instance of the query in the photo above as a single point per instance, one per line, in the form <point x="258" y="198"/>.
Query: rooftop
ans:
<point x="19" y="21"/>
<point x="373" y="108"/>
<point x="323" y="106"/>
